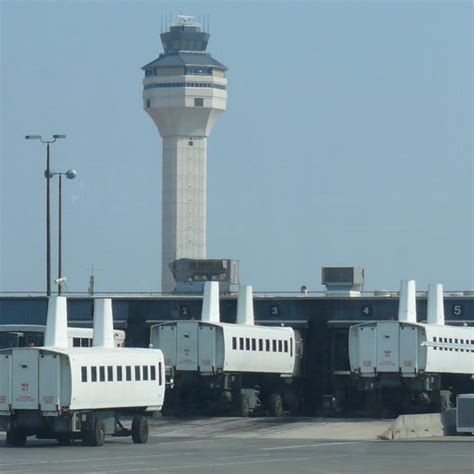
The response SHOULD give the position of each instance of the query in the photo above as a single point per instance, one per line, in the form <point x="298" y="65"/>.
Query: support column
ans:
<point x="184" y="198"/>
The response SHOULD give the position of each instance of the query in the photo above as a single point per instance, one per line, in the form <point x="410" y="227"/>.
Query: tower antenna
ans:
<point x="91" y="282"/>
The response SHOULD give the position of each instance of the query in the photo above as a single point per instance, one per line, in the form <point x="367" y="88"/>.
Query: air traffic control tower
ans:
<point x="184" y="92"/>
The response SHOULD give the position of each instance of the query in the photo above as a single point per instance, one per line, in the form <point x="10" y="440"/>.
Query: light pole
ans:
<point x="48" y="206"/>
<point x="70" y="174"/>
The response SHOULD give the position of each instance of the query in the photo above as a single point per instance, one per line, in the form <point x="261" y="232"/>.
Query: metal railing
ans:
<point x="256" y="293"/>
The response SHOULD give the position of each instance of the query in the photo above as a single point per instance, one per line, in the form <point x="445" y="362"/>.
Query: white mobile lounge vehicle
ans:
<point x="28" y="335"/>
<point x="239" y="366"/>
<point x="411" y="359"/>
<point x="71" y="393"/>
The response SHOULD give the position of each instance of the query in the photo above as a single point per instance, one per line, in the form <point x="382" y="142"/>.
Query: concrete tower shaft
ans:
<point x="184" y="92"/>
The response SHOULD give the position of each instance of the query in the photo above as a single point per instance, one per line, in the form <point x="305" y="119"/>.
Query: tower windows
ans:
<point x="185" y="84"/>
<point x="198" y="102"/>
<point x="148" y="103"/>
<point x="200" y="71"/>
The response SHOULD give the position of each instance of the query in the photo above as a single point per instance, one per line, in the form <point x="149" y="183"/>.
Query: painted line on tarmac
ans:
<point x="110" y="462"/>
<point x="314" y="445"/>
<point x="243" y="456"/>
<point x="471" y="455"/>
<point x="196" y="466"/>
<point x="68" y="461"/>
<point x="21" y="470"/>
<point x="110" y="465"/>
<point x="202" y="440"/>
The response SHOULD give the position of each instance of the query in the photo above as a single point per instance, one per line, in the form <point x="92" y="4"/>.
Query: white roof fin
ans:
<point x="245" y="306"/>
<point x="56" y="323"/>
<point x="435" y="311"/>
<point x="210" y="302"/>
<point x="103" y="323"/>
<point x="407" y="302"/>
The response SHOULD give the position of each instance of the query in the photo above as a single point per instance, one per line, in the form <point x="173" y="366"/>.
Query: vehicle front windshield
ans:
<point x="9" y="339"/>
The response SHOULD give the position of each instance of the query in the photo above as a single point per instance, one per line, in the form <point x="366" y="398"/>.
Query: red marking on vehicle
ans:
<point x="48" y="398"/>
<point x="3" y="398"/>
<point x="367" y="363"/>
<point x="24" y="398"/>
<point x="408" y="363"/>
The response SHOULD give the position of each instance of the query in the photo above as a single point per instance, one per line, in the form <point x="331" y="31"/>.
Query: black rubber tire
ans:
<point x="140" y="429"/>
<point x="16" y="438"/>
<point x="96" y="437"/>
<point x="244" y="409"/>
<point x="290" y="401"/>
<point x="275" y="404"/>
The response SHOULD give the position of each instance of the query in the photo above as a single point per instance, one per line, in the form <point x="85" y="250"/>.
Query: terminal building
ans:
<point x="324" y="318"/>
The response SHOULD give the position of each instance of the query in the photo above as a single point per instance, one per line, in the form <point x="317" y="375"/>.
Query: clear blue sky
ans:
<point x="347" y="141"/>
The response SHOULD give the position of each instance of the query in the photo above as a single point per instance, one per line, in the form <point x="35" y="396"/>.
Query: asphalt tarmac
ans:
<point x="241" y="451"/>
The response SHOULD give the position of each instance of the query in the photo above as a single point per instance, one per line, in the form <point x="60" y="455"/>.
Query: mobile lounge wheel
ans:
<point x="95" y="437"/>
<point x="275" y="404"/>
<point x="64" y="439"/>
<point x="16" y="438"/>
<point x="139" y="430"/>
<point x="244" y="406"/>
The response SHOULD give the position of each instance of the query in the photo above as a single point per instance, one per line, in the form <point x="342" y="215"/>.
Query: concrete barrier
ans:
<point x="415" y="426"/>
<point x="449" y="422"/>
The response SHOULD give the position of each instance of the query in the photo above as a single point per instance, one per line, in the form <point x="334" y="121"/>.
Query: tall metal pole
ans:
<point x="48" y="226"/>
<point x="48" y="175"/>
<point x="59" y="233"/>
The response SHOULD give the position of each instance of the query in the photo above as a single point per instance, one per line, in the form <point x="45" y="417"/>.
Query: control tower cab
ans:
<point x="184" y="91"/>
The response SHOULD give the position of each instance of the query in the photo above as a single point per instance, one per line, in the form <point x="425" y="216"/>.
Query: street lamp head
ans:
<point x="48" y="174"/>
<point x="71" y="174"/>
<point x="56" y="137"/>
<point x="32" y="137"/>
